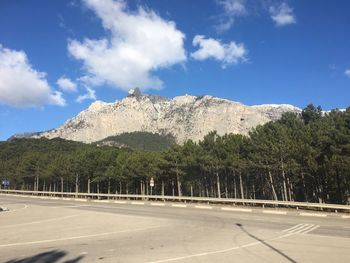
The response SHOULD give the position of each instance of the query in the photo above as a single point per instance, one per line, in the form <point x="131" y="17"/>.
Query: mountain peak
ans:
<point x="183" y="117"/>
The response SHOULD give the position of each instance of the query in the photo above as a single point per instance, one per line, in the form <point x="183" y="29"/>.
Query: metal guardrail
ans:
<point x="227" y="201"/>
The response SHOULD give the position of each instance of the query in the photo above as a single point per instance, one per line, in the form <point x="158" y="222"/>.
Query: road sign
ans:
<point x="5" y="183"/>
<point x="151" y="182"/>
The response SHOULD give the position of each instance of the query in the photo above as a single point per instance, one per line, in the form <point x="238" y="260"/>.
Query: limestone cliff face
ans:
<point x="185" y="117"/>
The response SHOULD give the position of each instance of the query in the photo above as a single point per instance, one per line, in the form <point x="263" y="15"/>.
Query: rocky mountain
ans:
<point x="184" y="117"/>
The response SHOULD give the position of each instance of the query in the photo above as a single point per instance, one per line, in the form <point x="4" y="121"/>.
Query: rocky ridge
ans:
<point x="184" y="117"/>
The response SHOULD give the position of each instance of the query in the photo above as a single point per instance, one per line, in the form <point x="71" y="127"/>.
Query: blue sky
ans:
<point x="56" y="57"/>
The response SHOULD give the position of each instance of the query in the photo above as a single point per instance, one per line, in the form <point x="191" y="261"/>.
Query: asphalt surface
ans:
<point x="46" y="230"/>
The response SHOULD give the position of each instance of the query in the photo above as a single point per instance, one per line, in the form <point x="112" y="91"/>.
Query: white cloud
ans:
<point x="232" y="9"/>
<point x="66" y="84"/>
<point x="347" y="72"/>
<point x="23" y="86"/>
<point x="90" y="95"/>
<point x="282" y="15"/>
<point x="139" y="44"/>
<point x="231" y="53"/>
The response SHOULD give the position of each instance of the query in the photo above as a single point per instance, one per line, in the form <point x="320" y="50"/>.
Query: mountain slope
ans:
<point x="184" y="117"/>
<point x="139" y="141"/>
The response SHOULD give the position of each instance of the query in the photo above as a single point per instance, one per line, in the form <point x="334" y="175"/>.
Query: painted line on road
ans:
<point x="345" y="217"/>
<point x="76" y="237"/>
<point x="66" y="198"/>
<point x="68" y="206"/>
<point x="137" y="203"/>
<point x="274" y="212"/>
<point x="203" y="207"/>
<point x="119" y="202"/>
<point x="101" y="201"/>
<point x="313" y="214"/>
<point x="157" y="204"/>
<point x="310" y="229"/>
<point x="236" y="209"/>
<point x="80" y="200"/>
<point x="291" y="228"/>
<point x="55" y="198"/>
<point x="178" y="205"/>
<point x="219" y="251"/>
<point x="40" y="221"/>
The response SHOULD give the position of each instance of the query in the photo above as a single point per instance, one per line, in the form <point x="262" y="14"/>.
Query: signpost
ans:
<point x="151" y="184"/>
<point x="5" y="183"/>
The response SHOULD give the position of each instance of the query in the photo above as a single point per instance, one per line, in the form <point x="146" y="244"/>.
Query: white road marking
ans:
<point x="217" y="251"/>
<point x="101" y="201"/>
<point x="345" y="216"/>
<point x="178" y="205"/>
<point x="274" y="212"/>
<point x="76" y="237"/>
<point x="298" y="228"/>
<point x="236" y="209"/>
<point x="301" y="229"/>
<point x="55" y="198"/>
<point x="68" y="206"/>
<point x="40" y="221"/>
<point x="137" y="203"/>
<point x="64" y="198"/>
<point x="311" y="229"/>
<point x="203" y="207"/>
<point x="157" y="204"/>
<point x="80" y="199"/>
<point x="313" y="214"/>
<point x="119" y="202"/>
<point x="291" y="228"/>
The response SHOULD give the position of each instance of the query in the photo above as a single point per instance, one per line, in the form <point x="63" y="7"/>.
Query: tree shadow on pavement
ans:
<point x="47" y="257"/>
<point x="266" y="244"/>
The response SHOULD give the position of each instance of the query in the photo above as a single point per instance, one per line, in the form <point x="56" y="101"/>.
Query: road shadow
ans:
<point x="47" y="257"/>
<point x="266" y="244"/>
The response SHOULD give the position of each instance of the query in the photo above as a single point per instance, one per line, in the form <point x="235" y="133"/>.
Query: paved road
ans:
<point x="44" y="230"/>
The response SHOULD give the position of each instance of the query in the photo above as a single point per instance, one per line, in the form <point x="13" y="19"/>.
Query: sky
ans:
<point x="57" y="57"/>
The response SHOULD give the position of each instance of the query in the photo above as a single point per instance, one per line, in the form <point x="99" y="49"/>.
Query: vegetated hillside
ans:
<point x="300" y="157"/>
<point x="139" y="141"/>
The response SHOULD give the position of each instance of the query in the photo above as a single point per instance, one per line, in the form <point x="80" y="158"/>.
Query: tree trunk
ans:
<point x="241" y="184"/>
<point x="109" y="187"/>
<point x="272" y="187"/>
<point x="178" y="183"/>
<point x="284" y="180"/>
<point x="88" y="185"/>
<point x="304" y="187"/>
<point x="234" y="185"/>
<point x="62" y="185"/>
<point x="76" y="184"/>
<point x="218" y="182"/>
<point x="163" y="192"/>
<point x="191" y="191"/>
<point x="173" y="188"/>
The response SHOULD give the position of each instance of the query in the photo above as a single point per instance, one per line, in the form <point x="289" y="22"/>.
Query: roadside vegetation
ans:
<point x="302" y="157"/>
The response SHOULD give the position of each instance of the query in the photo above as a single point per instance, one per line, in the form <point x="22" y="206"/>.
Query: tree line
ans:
<point x="300" y="157"/>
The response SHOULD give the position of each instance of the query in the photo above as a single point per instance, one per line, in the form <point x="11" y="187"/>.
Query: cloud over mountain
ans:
<point x="231" y="53"/>
<point x="23" y="86"/>
<point x="138" y="43"/>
